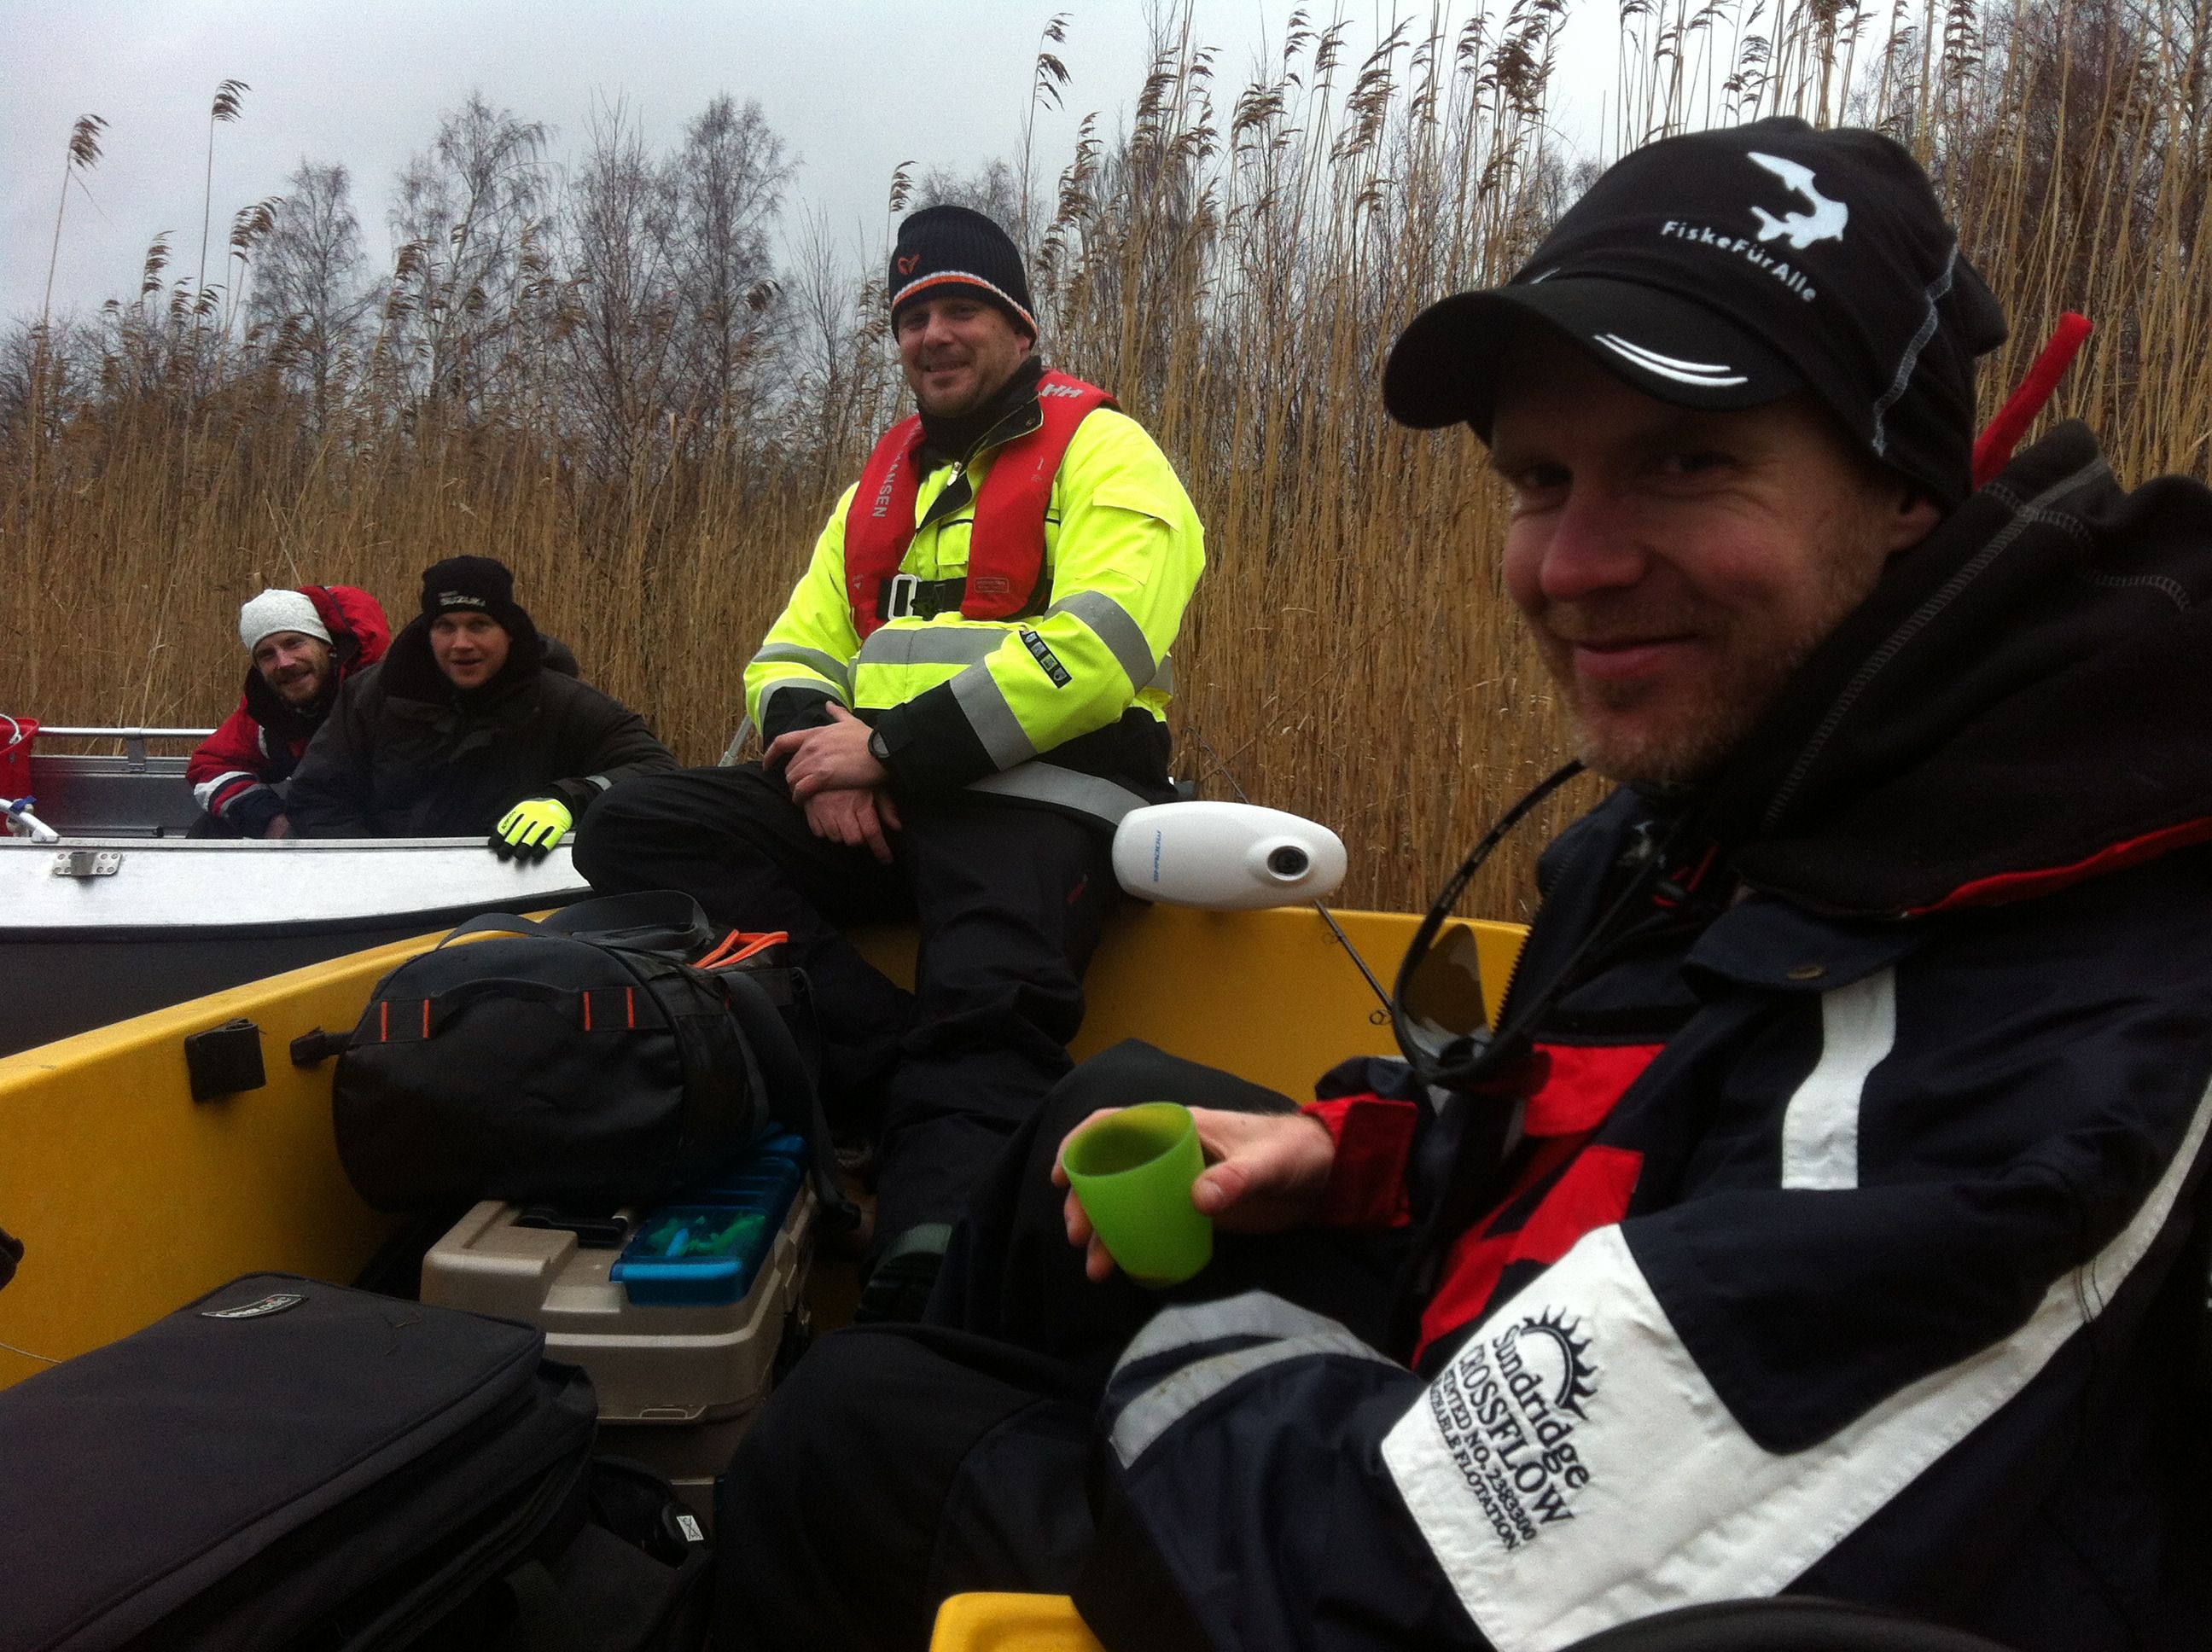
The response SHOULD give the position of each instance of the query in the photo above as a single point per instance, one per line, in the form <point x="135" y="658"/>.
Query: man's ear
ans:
<point x="1909" y="517"/>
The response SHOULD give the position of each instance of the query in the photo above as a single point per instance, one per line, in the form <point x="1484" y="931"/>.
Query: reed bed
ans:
<point x="1233" y="261"/>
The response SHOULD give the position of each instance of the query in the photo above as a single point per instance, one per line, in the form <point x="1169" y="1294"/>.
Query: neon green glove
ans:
<point x="532" y="829"/>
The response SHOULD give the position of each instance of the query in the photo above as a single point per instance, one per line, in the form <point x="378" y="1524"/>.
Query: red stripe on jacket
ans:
<point x="1573" y="1089"/>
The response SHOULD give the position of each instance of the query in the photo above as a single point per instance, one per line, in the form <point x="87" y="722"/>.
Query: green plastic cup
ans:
<point x="1133" y="1170"/>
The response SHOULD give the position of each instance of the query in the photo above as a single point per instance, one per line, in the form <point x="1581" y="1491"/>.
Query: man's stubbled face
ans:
<point x="1675" y="566"/>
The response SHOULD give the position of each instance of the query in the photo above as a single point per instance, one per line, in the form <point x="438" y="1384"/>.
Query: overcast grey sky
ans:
<point x="853" y="86"/>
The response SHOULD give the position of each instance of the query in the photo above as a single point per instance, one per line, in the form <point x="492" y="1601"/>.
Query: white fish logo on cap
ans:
<point x="1825" y="223"/>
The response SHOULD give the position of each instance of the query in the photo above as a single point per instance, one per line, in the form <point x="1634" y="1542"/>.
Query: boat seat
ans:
<point x="1010" y="1622"/>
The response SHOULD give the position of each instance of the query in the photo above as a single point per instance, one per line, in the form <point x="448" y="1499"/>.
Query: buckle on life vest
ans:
<point x="903" y="596"/>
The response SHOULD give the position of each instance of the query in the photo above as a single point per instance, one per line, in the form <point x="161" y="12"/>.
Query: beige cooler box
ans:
<point x="678" y="1382"/>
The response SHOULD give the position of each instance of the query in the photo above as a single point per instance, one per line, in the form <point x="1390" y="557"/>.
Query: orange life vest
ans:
<point x="1006" y="545"/>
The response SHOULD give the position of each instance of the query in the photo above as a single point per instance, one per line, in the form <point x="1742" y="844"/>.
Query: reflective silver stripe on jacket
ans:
<point x="1296" y="1333"/>
<point x="785" y="683"/>
<point x="1114" y="627"/>
<point x="984" y="704"/>
<point x="931" y="645"/>
<point x="969" y="645"/>
<point x="1070" y="788"/>
<point x="1820" y="1121"/>
<point x="814" y="659"/>
<point x="203" y="793"/>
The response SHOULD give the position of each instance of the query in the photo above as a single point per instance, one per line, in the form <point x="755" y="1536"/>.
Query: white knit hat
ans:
<point x="279" y="611"/>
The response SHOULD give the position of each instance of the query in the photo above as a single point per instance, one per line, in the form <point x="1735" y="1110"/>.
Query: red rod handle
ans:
<point x="1993" y="451"/>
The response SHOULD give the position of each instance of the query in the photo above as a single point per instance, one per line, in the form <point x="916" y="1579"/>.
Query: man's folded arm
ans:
<point x="616" y="746"/>
<point x="224" y="772"/>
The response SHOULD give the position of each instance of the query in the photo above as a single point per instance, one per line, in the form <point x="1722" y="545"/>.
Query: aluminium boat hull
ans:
<point x="127" y="914"/>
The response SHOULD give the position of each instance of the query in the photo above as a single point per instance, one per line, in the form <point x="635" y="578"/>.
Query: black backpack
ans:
<point x="579" y="1060"/>
<point x="287" y="1464"/>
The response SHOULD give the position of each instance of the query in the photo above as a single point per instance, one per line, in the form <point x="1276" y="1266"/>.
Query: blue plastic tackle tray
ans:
<point x="710" y="1247"/>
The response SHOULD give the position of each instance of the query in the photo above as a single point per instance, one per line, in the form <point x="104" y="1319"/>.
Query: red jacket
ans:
<point x="235" y="772"/>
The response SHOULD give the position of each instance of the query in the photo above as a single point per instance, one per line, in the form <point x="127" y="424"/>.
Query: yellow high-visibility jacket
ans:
<point x="1066" y="707"/>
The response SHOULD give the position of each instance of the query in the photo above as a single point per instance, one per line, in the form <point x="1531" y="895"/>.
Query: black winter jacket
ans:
<point x="405" y="754"/>
<point x="1854" y="1240"/>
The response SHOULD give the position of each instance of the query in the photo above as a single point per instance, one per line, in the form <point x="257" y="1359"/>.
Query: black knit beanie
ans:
<point x="944" y="246"/>
<point x="478" y="585"/>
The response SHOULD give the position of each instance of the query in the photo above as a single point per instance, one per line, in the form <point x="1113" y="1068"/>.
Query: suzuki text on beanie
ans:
<point x="476" y="585"/>
<point x="276" y="611"/>
<point x="944" y="248"/>
<point x="1729" y="269"/>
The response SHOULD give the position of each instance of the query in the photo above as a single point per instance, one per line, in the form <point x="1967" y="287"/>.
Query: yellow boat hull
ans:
<point x="132" y="1199"/>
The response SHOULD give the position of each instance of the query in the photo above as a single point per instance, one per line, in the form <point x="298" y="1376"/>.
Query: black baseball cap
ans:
<point x="1729" y="269"/>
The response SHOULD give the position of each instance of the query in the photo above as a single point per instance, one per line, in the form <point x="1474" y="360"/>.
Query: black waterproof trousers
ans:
<point x="898" y="1465"/>
<point x="1009" y="899"/>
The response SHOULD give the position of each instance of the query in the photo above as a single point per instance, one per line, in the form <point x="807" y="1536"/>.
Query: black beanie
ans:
<point x="944" y="246"/>
<point x="478" y="585"/>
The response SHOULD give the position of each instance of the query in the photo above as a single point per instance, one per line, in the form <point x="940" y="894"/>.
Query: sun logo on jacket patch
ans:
<point x="1506" y="1410"/>
<point x="1572" y="1379"/>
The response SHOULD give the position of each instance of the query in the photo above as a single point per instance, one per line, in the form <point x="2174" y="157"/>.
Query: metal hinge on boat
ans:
<point x="87" y="863"/>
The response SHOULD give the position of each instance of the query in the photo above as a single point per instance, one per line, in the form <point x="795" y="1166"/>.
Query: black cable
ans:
<point x="1320" y="906"/>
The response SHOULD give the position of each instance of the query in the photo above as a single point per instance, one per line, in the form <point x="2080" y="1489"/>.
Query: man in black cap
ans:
<point x="466" y="729"/>
<point x="1822" y="1216"/>
<point x="965" y="694"/>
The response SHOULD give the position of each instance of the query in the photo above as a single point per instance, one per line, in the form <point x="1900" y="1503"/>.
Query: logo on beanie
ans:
<point x="461" y="599"/>
<point x="908" y="264"/>
<point x="1825" y="223"/>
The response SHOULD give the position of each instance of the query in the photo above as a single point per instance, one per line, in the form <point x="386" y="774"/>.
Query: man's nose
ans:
<point x="1593" y="547"/>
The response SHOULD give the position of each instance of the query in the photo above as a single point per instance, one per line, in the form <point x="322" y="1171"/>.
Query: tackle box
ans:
<point x="676" y="1312"/>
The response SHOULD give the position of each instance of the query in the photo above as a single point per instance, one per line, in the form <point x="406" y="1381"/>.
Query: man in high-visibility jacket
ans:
<point x="966" y="691"/>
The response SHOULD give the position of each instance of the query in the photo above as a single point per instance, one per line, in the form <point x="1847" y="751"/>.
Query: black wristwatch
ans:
<point x="877" y="749"/>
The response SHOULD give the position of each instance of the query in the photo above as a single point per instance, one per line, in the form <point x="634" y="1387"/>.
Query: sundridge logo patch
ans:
<point x="1508" y="1408"/>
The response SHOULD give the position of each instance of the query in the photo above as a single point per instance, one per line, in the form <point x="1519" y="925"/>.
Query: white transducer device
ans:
<point x="1229" y="856"/>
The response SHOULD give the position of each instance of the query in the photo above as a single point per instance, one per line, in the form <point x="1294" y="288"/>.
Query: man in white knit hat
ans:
<point x="303" y="644"/>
